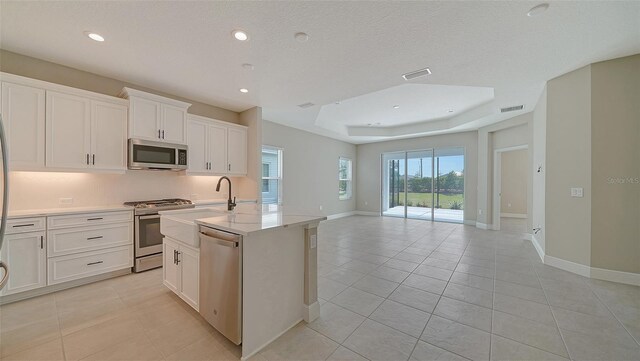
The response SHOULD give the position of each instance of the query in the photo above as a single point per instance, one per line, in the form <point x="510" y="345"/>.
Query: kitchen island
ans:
<point x="272" y="280"/>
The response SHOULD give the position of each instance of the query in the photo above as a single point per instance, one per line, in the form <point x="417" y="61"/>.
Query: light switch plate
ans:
<point x="314" y="241"/>
<point x="577" y="192"/>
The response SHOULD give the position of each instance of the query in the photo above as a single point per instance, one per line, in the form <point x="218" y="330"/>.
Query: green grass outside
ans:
<point x="425" y="200"/>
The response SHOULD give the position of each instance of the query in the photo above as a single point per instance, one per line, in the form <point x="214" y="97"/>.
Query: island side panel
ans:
<point x="273" y="285"/>
<point x="312" y="307"/>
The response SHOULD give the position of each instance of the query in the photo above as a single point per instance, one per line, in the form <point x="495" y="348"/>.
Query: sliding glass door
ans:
<point x="425" y="184"/>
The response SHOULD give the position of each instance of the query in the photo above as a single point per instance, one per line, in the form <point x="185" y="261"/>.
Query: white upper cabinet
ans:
<point x="55" y="127"/>
<point x="68" y="131"/>
<point x="216" y="147"/>
<point x="237" y="151"/>
<point x="156" y="118"/>
<point x="23" y="116"/>
<point x="108" y="136"/>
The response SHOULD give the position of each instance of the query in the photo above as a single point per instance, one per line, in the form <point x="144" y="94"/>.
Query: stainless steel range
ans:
<point x="148" y="240"/>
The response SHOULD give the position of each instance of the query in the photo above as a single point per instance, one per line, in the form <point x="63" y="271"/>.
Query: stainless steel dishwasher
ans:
<point x="221" y="281"/>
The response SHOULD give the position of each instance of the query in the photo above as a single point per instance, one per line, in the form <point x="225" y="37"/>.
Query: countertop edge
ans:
<point x="65" y="211"/>
<point x="201" y="222"/>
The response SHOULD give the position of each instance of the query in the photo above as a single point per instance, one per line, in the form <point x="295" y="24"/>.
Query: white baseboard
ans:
<point x="365" y="213"/>
<point x="615" y="276"/>
<point x="513" y="215"/>
<point x="253" y="352"/>
<point x="311" y="312"/>
<point x="569" y="266"/>
<point x="483" y="225"/>
<point x="469" y="222"/>
<point x="537" y="246"/>
<point x="341" y="215"/>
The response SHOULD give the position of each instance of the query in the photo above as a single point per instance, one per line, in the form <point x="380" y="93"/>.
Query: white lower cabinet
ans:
<point x="85" y="264"/>
<point x="181" y="270"/>
<point x="26" y="256"/>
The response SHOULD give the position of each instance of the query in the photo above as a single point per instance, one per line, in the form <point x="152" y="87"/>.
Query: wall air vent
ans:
<point x="511" y="109"/>
<point x="416" y="74"/>
<point x="306" y="105"/>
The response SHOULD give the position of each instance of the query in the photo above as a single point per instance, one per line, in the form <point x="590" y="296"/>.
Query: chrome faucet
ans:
<point x="230" y="204"/>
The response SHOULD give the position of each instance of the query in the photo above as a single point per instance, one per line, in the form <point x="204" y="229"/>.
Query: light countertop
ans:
<point x="248" y="219"/>
<point x="67" y="210"/>
<point x="216" y="201"/>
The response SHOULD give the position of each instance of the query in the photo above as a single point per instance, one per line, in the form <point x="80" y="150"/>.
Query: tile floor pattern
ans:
<point x="391" y="289"/>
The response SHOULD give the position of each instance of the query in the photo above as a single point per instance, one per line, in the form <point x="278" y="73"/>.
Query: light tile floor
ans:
<point x="391" y="289"/>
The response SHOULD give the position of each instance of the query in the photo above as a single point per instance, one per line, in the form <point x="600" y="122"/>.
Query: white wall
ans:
<point x="38" y="190"/>
<point x="310" y="168"/>
<point x="369" y="167"/>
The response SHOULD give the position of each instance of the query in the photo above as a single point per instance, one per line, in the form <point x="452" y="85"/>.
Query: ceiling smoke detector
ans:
<point x="417" y="74"/>
<point x="511" y="109"/>
<point x="306" y="105"/>
<point x="301" y="37"/>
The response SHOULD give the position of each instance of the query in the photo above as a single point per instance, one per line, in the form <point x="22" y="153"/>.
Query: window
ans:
<point x="271" y="175"/>
<point x="344" y="178"/>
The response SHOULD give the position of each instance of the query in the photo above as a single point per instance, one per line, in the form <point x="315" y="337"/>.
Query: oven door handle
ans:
<point x="153" y="216"/>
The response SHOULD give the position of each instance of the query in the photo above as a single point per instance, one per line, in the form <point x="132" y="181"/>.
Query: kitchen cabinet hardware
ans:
<point x="229" y="167"/>
<point x="87" y="158"/>
<point x="162" y="134"/>
<point x="41" y="242"/>
<point x="24" y="225"/>
<point x="94" y="263"/>
<point x="159" y="134"/>
<point x="95" y="219"/>
<point x="92" y="238"/>
<point x="94" y="160"/>
<point x="178" y="253"/>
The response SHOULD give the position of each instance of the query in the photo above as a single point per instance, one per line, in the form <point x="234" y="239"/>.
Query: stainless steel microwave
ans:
<point x="146" y="154"/>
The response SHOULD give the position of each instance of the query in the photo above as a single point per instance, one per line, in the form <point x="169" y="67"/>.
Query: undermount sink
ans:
<point x="180" y="224"/>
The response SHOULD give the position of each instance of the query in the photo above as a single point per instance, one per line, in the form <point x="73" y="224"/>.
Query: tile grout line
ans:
<point x="613" y="313"/>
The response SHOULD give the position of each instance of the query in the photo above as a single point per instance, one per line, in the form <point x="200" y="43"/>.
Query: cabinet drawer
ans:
<point x="22" y="225"/>
<point x="75" y="266"/>
<point x="86" y="219"/>
<point x="81" y="239"/>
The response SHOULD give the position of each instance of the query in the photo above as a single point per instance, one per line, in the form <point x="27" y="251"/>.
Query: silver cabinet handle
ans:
<point x="41" y="242"/>
<point x="159" y="134"/>
<point x="178" y="253"/>
<point x="163" y="134"/>
<point x="94" y="219"/>
<point x="23" y="225"/>
<point x="87" y="158"/>
<point x="92" y="238"/>
<point x="94" y="159"/>
<point x="174" y="256"/>
<point x="94" y="263"/>
<point x="229" y="166"/>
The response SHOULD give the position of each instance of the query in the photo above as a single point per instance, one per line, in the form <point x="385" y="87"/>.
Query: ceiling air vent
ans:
<point x="511" y="109"/>
<point x="416" y="74"/>
<point x="306" y="105"/>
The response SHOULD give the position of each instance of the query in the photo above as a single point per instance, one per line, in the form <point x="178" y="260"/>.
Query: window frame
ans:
<point x="349" y="179"/>
<point x="279" y="177"/>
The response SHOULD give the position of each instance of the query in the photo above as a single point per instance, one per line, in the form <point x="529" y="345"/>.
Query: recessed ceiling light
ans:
<point x="244" y="90"/>
<point x="94" y="36"/>
<point x="301" y="37"/>
<point x="248" y="66"/>
<point x="417" y="74"/>
<point x="240" y="35"/>
<point x="537" y="10"/>
<point x="396" y="106"/>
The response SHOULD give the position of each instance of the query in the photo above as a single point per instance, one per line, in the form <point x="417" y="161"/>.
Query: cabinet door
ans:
<point x="237" y="151"/>
<point x="189" y="277"/>
<point x="144" y="119"/>
<point x="197" y="142"/>
<point x="218" y="149"/>
<point x="68" y="119"/>
<point x="170" y="270"/>
<point x="108" y="136"/>
<point x="173" y="124"/>
<point x="23" y="110"/>
<point x="25" y="253"/>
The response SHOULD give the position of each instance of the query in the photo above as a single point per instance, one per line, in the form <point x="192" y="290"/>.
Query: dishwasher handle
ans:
<point x="221" y="238"/>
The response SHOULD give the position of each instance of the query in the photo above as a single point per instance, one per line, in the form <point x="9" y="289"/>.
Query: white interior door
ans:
<point x="68" y="119"/>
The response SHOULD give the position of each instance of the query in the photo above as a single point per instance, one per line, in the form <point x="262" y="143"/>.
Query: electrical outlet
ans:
<point x="577" y="192"/>
<point x="65" y="201"/>
<point x="366" y="203"/>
